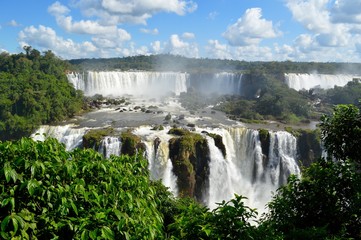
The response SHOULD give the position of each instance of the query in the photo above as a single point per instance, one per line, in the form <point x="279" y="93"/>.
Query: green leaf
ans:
<point x="32" y="185"/>
<point x="74" y="207"/>
<point x="15" y="224"/>
<point x="84" y="235"/>
<point x="4" y="223"/>
<point x="118" y="214"/>
<point x="107" y="233"/>
<point x="9" y="172"/>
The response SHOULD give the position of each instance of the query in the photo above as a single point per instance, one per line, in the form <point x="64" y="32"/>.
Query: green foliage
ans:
<point x="230" y="220"/>
<point x="93" y="137"/>
<point x="341" y="132"/>
<point x="34" y="90"/>
<point x="131" y="143"/>
<point x="349" y="94"/>
<point x="324" y="203"/>
<point x="47" y="192"/>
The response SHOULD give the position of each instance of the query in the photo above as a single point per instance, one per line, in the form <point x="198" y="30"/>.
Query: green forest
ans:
<point x="47" y="192"/>
<point x="34" y="90"/>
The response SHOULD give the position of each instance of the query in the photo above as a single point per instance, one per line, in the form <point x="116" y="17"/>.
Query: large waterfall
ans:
<point x="219" y="83"/>
<point x="116" y="83"/>
<point x="245" y="170"/>
<point x="308" y="81"/>
<point x="153" y="84"/>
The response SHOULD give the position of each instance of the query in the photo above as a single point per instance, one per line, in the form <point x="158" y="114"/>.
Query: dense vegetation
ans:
<point x="168" y="62"/>
<point x="47" y="192"/>
<point x="34" y="90"/>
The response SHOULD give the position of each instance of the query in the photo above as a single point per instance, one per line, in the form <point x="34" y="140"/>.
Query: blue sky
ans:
<point x="251" y="30"/>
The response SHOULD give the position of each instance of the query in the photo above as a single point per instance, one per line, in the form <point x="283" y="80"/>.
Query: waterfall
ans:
<point x="245" y="171"/>
<point x="308" y="81"/>
<point x="240" y="171"/>
<point x="110" y="146"/>
<point x="282" y="155"/>
<point x="157" y="153"/>
<point x="71" y="136"/>
<point x="220" y="83"/>
<point x="151" y="84"/>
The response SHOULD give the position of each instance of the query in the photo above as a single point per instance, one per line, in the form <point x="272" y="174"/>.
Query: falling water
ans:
<point x="117" y="84"/>
<point x="157" y="153"/>
<point x="282" y="155"/>
<point x="110" y="146"/>
<point x="245" y="171"/>
<point x="69" y="135"/>
<point x="308" y="81"/>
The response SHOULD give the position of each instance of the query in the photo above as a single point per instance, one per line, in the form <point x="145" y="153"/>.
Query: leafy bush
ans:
<point x="47" y="192"/>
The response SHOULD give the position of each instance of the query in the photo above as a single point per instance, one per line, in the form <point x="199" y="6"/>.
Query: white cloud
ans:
<point x="156" y="47"/>
<point x="312" y="14"/>
<point x="13" y="23"/>
<point x="249" y="53"/>
<point x="250" y="29"/>
<point x="136" y="11"/>
<point x="188" y="35"/>
<point x="177" y="46"/>
<point x="217" y="50"/>
<point x="213" y="15"/>
<point x="46" y="38"/>
<point x="57" y="9"/>
<point x="347" y="11"/>
<point x="150" y="31"/>
<point x="333" y="27"/>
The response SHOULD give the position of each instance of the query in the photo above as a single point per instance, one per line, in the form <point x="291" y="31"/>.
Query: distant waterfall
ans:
<point x="308" y="81"/>
<point x="220" y="83"/>
<point x="116" y="83"/>
<point x="110" y="146"/>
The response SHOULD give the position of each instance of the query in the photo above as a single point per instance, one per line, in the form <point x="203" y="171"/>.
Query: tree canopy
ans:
<point x="34" y="90"/>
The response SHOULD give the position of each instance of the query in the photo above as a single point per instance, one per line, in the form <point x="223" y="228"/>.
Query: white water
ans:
<point x="220" y="83"/>
<point x="160" y="165"/>
<point x="69" y="135"/>
<point x="244" y="170"/>
<point x="110" y="146"/>
<point x="116" y="84"/>
<point x="325" y="81"/>
<point x="153" y="84"/>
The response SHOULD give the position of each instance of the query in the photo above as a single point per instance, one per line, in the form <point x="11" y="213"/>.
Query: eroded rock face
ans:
<point x="93" y="138"/>
<point x="309" y="145"/>
<point x="131" y="143"/>
<point x="190" y="157"/>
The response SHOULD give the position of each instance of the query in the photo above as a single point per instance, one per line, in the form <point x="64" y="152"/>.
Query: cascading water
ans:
<point x="157" y="153"/>
<point x="154" y="84"/>
<point x="308" y="81"/>
<point x="219" y="83"/>
<point x="282" y="155"/>
<point x="116" y="84"/>
<point x="110" y="146"/>
<point x="244" y="170"/>
<point x="69" y="135"/>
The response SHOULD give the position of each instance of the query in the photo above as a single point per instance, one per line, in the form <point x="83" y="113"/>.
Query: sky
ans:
<point x="250" y="30"/>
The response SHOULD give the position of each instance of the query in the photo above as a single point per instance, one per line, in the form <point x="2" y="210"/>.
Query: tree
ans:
<point x="341" y="133"/>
